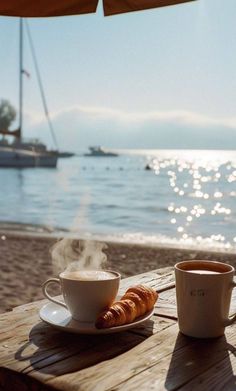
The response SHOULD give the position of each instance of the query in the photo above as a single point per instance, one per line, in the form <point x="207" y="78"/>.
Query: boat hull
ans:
<point x="23" y="159"/>
<point x="106" y="154"/>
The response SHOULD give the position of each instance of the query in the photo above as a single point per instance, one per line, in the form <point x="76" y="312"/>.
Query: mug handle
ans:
<point x="46" y="294"/>
<point x="232" y="319"/>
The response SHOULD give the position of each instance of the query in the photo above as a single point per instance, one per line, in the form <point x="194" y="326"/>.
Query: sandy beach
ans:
<point x="26" y="263"/>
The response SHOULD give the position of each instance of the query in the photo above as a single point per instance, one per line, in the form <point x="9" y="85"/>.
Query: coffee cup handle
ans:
<point x="46" y="294"/>
<point x="232" y="319"/>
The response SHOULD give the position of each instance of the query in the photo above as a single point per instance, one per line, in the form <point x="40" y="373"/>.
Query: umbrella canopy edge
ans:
<point x="46" y="8"/>
<point x="49" y="8"/>
<point x="114" y="7"/>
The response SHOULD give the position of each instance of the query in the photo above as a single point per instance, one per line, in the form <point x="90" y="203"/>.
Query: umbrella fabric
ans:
<point x="112" y="7"/>
<point x="40" y="8"/>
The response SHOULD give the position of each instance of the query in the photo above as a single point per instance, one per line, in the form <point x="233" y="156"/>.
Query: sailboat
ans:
<point x="21" y="153"/>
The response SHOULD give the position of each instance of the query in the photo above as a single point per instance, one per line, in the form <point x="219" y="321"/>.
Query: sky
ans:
<point x="160" y="78"/>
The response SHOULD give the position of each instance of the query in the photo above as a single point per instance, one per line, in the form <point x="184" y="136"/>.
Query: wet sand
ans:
<point x="26" y="263"/>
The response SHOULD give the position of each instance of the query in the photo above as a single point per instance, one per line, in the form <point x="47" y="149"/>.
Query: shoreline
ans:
<point x="26" y="263"/>
<point x="40" y="231"/>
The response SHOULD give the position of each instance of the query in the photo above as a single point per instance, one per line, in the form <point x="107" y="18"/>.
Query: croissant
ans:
<point x="136" y="302"/>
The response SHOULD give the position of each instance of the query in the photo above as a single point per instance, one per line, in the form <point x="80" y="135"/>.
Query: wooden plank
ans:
<point x="125" y="361"/>
<point x="30" y="346"/>
<point x="108" y="374"/>
<point x="19" y="352"/>
<point x="153" y="326"/>
<point x="220" y="377"/>
<point x="47" y="347"/>
<point x="98" y="348"/>
<point x="187" y="362"/>
<point x="165" y="361"/>
<point x="166" y="304"/>
<point x="76" y="352"/>
<point x="105" y="348"/>
<point x="152" y="279"/>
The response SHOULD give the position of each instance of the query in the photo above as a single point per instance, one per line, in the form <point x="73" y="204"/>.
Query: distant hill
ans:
<point x="76" y="130"/>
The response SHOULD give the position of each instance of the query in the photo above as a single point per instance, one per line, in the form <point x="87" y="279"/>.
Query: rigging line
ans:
<point x="20" y="77"/>
<point x="41" y="85"/>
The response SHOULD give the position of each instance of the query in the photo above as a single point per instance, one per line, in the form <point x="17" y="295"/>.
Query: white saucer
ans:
<point x="59" y="317"/>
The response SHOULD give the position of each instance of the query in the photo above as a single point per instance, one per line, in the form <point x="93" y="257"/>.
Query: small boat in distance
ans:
<point x="65" y="154"/>
<point x="100" y="152"/>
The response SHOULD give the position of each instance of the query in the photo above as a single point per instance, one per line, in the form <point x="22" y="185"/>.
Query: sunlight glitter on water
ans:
<point x="205" y="179"/>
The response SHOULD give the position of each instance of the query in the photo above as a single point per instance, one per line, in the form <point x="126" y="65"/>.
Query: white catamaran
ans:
<point x="21" y="153"/>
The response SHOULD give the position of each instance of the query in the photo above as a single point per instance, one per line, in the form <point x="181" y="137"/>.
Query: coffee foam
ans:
<point x="203" y="265"/>
<point x="88" y="275"/>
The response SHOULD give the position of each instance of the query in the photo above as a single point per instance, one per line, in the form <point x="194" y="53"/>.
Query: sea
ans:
<point x="180" y="198"/>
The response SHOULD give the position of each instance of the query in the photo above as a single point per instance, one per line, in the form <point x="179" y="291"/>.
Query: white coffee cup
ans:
<point x="86" y="293"/>
<point x="203" y="291"/>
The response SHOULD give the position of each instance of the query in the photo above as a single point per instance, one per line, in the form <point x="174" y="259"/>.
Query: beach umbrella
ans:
<point x="41" y="8"/>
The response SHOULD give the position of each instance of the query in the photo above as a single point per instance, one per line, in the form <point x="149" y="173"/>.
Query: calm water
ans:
<point x="187" y="198"/>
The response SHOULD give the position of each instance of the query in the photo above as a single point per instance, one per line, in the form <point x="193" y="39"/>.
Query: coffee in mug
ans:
<point x="203" y="292"/>
<point x="86" y="292"/>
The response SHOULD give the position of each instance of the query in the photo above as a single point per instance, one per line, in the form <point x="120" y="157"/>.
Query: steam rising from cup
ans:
<point x="73" y="255"/>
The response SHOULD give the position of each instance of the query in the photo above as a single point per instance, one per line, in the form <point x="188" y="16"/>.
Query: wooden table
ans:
<point x="155" y="356"/>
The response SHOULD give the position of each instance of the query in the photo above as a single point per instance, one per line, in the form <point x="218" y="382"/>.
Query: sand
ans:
<point x="26" y="263"/>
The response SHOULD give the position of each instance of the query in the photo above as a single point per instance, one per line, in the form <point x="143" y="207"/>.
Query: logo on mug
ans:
<point x="198" y="292"/>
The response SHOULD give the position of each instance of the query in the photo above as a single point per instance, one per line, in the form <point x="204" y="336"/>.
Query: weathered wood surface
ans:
<point x="35" y="356"/>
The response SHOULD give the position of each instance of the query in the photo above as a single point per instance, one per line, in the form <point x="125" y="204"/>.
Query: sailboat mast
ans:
<point x="27" y="29"/>
<point x="20" y="77"/>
